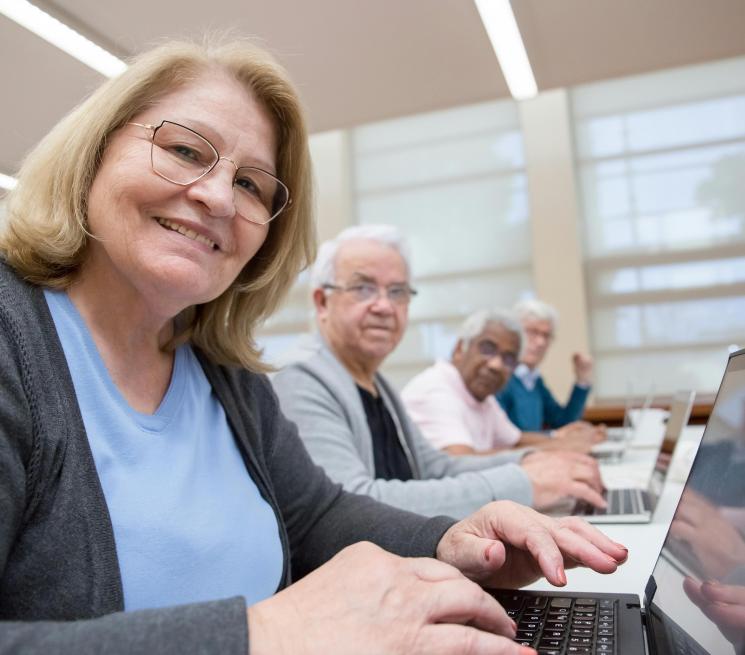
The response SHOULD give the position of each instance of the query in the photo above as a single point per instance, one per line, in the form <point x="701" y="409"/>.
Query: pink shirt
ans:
<point x="438" y="401"/>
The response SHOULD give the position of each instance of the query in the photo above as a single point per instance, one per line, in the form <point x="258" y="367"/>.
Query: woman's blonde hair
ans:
<point x="45" y="237"/>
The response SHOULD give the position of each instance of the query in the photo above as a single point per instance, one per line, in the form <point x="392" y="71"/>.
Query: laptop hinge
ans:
<point x="649" y="591"/>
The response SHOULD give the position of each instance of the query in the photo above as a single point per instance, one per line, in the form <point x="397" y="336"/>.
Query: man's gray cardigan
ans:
<point x="60" y="585"/>
<point x="321" y="397"/>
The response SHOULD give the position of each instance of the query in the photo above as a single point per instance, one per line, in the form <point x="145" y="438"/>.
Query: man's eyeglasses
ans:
<point x="490" y="349"/>
<point x="398" y="294"/>
<point x="182" y="156"/>
<point x="548" y="335"/>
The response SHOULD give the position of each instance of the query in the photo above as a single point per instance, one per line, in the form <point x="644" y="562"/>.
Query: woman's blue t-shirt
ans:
<point x="190" y="524"/>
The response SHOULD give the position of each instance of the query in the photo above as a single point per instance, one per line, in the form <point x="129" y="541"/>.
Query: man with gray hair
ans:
<point x="526" y="399"/>
<point x="353" y="422"/>
<point x="453" y="404"/>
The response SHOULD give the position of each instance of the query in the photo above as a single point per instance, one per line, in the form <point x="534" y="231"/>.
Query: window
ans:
<point x="661" y="163"/>
<point x="454" y="182"/>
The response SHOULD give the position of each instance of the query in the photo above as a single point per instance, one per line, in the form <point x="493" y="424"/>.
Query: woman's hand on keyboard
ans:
<point x="508" y="545"/>
<point x="367" y="601"/>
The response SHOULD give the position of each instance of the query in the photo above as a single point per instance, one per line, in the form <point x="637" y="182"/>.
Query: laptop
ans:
<point x="637" y="505"/>
<point x="638" y="431"/>
<point x="626" y="432"/>
<point x="694" y="600"/>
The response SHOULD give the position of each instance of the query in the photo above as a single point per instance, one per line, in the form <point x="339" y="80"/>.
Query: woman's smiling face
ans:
<point x="176" y="246"/>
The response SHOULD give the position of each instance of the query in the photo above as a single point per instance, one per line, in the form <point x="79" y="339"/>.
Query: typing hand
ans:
<point x="509" y="545"/>
<point x="367" y="601"/>
<point x="578" y="436"/>
<point x="558" y="475"/>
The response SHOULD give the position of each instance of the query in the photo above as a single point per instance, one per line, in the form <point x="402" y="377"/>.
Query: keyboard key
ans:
<point x="554" y="634"/>
<point x="581" y="632"/>
<point x="511" y="601"/>
<point x="531" y="617"/>
<point x="583" y="623"/>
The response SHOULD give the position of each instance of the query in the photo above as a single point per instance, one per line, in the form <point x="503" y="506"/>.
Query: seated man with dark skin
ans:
<point x="353" y="422"/>
<point x="453" y="402"/>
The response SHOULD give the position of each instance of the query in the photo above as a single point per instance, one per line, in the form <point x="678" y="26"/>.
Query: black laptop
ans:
<point x="694" y="602"/>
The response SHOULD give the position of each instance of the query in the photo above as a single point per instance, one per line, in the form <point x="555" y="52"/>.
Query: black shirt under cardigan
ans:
<point x="390" y="459"/>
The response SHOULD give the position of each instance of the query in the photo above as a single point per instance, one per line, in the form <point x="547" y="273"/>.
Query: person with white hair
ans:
<point x="526" y="398"/>
<point x="353" y="422"/>
<point x="153" y="498"/>
<point x="452" y="402"/>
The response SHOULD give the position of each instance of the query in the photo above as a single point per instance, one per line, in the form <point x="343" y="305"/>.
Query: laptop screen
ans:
<point x="699" y="602"/>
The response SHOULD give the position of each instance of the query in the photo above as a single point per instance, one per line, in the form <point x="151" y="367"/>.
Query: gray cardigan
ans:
<point x="322" y="398"/>
<point x="60" y="585"/>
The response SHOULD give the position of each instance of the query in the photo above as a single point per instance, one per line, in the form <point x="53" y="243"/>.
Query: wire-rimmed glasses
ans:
<point x="182" y="156"/>
<point x="398" y="294"/>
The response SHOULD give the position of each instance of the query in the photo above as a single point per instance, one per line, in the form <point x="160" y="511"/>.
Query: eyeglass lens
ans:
<point x="183" y="156"/>
<point x="491" y="349"/>
<point x="397" y="294"/>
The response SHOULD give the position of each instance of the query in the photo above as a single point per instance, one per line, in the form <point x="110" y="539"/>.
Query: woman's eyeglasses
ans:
<point x="182" y="156"/>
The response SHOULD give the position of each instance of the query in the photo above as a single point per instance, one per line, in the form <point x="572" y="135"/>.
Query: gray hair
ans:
<point x="536" y="310"/>
<point x="476" y="323"/>
<point x="324" y="269"/>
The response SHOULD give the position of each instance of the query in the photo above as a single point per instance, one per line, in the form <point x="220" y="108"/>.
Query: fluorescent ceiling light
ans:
<point x="7" y="182"/>
<point x="63" y="37"/>
<point x="505" y="38"/>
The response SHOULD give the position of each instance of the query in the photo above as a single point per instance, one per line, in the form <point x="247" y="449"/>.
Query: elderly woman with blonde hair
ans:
<point x="152" y="496"/>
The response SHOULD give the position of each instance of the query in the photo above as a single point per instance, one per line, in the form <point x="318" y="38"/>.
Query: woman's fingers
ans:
<point x="465" y="602"/>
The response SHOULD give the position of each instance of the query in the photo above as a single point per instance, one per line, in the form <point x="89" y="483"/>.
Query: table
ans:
<point x="644" y="541"/>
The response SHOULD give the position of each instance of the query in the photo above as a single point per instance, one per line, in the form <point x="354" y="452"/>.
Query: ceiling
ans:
<point x="356" y="61"/>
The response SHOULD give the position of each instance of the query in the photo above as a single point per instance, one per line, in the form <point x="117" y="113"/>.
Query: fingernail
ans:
<point x="621" y="546"/>
<point x="486" y="553"/>
<point x="560" y="576"/>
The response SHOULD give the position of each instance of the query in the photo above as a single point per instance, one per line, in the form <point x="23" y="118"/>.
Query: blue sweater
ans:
<point x="537" y="409"/>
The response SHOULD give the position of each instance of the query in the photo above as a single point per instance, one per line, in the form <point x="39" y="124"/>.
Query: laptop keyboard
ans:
<point x="558" y="626"/>
<point x="620" y="501"/>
